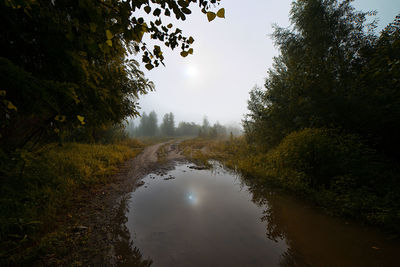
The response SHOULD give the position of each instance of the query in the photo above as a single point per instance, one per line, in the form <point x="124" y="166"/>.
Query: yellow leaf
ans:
<point x="109" y="35"/>
<point x="221" y="13"/>
<point x="11" y="106"/>
<point x="139" y="36"/>
<point x="211" y="16"/>
<point x="144" y="27"/>
<point x="81" y="119"/>
<point x="60" y="118"/>
<point x="109" y="42"/>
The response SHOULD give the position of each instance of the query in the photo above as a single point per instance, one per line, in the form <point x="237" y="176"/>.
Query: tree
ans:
<point x="376" y="101"/>
<point x="311" y="81"/>
<point x="148" y="125"/>
<point x="168" y="125"/>
<point x="68" y="64"/>
<point x="205" y="128"/>
<point x="142" y="128"/>
<point x="152" y="124"/>
<point x="187" y="129"/>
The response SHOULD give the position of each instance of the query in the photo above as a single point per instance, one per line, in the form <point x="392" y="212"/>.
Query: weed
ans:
<point x="33" y="197"/>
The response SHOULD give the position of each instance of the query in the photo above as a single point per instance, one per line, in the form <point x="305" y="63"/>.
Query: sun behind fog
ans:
<point x="191" y="71"/>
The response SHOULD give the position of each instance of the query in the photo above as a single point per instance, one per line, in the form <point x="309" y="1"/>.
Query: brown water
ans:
<point x="193" y="217"/>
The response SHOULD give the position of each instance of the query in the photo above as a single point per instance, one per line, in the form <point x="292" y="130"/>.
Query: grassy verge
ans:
<point x="41" y="187"/>
<point x="333" y="171"/>
<point x="200" y="150"/>
<point x="162" y="153"/>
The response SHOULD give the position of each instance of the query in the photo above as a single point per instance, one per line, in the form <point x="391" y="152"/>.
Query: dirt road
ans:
<point x="96" y="228"/>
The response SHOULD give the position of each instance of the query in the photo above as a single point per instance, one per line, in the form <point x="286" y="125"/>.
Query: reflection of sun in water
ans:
<point x="191" y="71"/>
<point x="192" y="198"/>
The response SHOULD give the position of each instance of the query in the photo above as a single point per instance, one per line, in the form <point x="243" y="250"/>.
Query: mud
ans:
<point x="95" y="228"/>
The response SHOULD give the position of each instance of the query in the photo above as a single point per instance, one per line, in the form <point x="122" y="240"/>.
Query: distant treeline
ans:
<point x="149" y="127"/>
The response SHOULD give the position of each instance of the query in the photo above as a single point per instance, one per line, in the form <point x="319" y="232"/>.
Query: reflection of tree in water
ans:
<point x="126" y="253"/>
<point x="292" y="259"/>
<point x="276" y="226"/>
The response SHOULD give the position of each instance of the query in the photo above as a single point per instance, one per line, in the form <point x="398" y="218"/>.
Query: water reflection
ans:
<point x="214" y="218"/>
<point x="192" y="198"/>
<point x="315" y="239"/>
<point x="126" y="254"/>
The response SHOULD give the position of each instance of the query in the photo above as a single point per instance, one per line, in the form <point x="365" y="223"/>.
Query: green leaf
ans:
<point x="190" y="40"/>
<point x="221" y="13"/>
<point x="149" y="66"/>
<point x="211" y="16"/>
<point x="169" y="26"/>
<point x="109" y="35"/>
<point x="190" y="51"/>
<point x="93" y="27"/>
<point x="184" y="53"/>
<point x="147" y="9"/>
<point x="109" y="42"/>
<point x="2" y="93"/>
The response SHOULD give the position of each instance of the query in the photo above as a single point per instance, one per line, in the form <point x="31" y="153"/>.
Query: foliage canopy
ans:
<point x="68" y="65"/>
<point x="332" y="72"/>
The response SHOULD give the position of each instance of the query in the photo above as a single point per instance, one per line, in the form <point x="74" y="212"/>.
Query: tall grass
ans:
<point x="44" y="184"/>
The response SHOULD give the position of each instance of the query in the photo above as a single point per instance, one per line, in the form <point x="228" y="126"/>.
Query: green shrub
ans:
<point x="323" y="155"/>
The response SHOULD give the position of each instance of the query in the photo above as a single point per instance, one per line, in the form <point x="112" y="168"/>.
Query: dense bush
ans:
<point x="322" y="156"/>
<point x="333" y="169"/>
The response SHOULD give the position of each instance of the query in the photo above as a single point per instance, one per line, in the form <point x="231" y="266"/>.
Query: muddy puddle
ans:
<point x="189" y="217"/>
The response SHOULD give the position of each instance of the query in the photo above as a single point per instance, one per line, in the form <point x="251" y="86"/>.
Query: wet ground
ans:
<point x="191" y="217"/>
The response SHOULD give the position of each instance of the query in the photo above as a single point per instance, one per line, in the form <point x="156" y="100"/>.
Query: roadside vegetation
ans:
<point x="326" y="124"/>
<point x="336" y="172"/>
<point x="42" y="186"/>
<point x="69" y="78"/>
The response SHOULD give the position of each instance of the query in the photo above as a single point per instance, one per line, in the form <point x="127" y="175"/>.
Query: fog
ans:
<point x="231" y="56"/>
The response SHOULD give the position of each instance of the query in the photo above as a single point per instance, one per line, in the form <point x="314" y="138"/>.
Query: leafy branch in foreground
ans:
<point x="67" y="66"/>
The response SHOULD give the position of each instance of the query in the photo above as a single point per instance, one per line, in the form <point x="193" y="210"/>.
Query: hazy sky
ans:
<point x="231" y="56"/>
